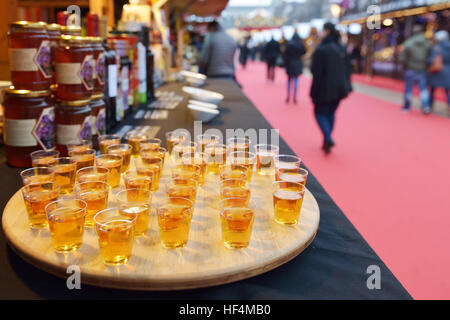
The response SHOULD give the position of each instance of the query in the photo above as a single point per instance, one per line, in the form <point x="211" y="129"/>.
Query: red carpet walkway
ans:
<point x="389" y="173"/>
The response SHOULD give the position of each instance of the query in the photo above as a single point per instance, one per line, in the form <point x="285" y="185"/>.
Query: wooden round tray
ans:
<point x="204" y="262"/>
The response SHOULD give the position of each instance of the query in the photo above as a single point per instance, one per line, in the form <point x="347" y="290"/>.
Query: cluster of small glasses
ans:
<point x="70" y="193"/>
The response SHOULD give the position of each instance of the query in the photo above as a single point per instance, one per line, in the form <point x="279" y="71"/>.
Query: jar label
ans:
<point x="100" y="69"/>
<point x="86" y="129"/>
<point x="44" y="131"/>
<point x="100" y="124"/>
<point x="22" y="59"/>
<point x="86" y="72"/>
<point x="67" y="133"/>
<point x="112" y="80"/>
<point x="18" y="132"/>
<point x="43" y="59"/>
<point x="67" y="73"/>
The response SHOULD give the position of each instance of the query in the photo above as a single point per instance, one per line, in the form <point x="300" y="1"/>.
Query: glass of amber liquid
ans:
<point x="79" y="145"/>
<point x="243" y="158"/>
<point x="236" y="218"/>
<point x="217" y="156"/>
<point x="134" y="140"/>
<point x="149" y="153"/>
<point x="287" y="201"/>
<point x="112" y="162"/>
<point x="174" y="221"/>
<point x="286" y="163"/>
<point x="115" y="233"/>
<point x="41" y="158"/>
<point x="238" y="144"/>
<point x="205" y="139"/>
<point x="298" y="175"/>
<point x="233" y="189"/>
<point x="65" y="170"/>
<point x="95" y="194"/>
<point x="123" y="150"/>
<point x="174" y="138"/>
<point x="197" y="158"/>
<point x="150" y="167"/>
<point x="150" y="144"/>
<point x="37" y="175"/>
<point x="186" y="171"/>
<point x="84" y="158"/>
<point x="233" y="171"/>
<point x="106" y="140"/>
<point x="93" y="173"/>
<point x="182" y="188"/>
<point x="137" y="202"/>
<point x="181" y="148"/>
<point x="265" y="158"/>
<point x="133" y="180"/>
<point x="36" y="196"/>
<point x="66" y="223"/>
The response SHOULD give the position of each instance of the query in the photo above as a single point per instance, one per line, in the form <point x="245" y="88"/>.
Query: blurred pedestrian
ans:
<point x="331" y="69"/>
<point x="271" y="53"/>
<point x="415" y="55"/>
<point x="439" y="66"/>
<point x="292" y="57"/>
<point x="218" y="52"/>
<point x="243" y="53"/>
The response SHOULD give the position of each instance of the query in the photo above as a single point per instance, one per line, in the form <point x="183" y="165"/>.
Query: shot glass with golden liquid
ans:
<point x="287" y="201"/>
<point x="233" y="171"/>
<point x="95" y="194"/>
<point x="174" y="221"/>
<point x="123" y="150"/>
<point x="150" y="144"/>
<point x="182" y="188"/>
<point x="36" y="196"/>
<point x="149" y="153"/>
<point x="234" y="189"/>
<point x="205" y="139"/>
<point x="136" y="205"/>
<point x="115" y="233"/>
<point x="150" y="167"/>
<point x="174" y="138"/>
<point x="181" y="148"/>
<point x="78" y="145"/>
<point x="133" y="180"/>
<point x="113" y="163"/>
<point x="41" y="158"/>
<point x="92" y="174"/>
<point x="84" y="158"/>
<point x="134" y="140"/>
<point x="238" y="144"/>
<point x="243" y="158"/>
<point x="65" y="170"/>
<point x="298" y="175"/>
<point x="286" y="163"/>
<point x="236" y="218"/>
<point x="186" y="171"/>
<point x="37" y="175"/>
<point x="66" y="223"/>
<point x="265" y="158"/>
<point x="197" y="158"/>
<point x="106" y="140"/>
<point x="217" y="156"/>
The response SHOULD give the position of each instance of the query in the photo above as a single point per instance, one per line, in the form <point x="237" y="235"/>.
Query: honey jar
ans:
<point x="54" y="32"/>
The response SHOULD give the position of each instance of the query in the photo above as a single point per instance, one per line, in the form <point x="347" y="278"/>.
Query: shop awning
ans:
<point x="199" y="7"/>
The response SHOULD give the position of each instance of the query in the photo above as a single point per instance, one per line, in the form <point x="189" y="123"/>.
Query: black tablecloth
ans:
<point x="334" y="266"/>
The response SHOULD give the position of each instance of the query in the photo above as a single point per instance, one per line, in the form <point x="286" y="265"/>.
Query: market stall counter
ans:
<point x="338" y="264"/>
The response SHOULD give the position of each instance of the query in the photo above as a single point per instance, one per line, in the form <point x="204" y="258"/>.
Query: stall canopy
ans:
<point x="200" y="7"/>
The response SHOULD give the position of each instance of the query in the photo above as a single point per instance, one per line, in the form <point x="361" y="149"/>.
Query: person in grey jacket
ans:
<point x="415" y="55"/>
<point x="217" y="56"/>
<point x="440" y="79"/>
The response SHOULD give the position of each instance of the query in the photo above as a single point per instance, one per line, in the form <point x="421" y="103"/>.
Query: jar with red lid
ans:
<point x="72" y="30"/>
<point x="54" y="32"/>
<point x="74" y="68"/>
<point x="29" y="124"/>
<point x="99" y="59"/>
<point x="29" y="55"/>
<point x="73" y="123"/>
<point x="98" y="117"/>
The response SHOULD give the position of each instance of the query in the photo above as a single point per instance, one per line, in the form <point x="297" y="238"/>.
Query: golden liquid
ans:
<point x="203" y="166"/>
<point x="79" y="148"/>
<point x="182" y="191"/>
<point x="233" y="173"/>
<point x="134" y="142"/>
<point x="92" y="176"/>
<point x="65" y="177"/>
<point x="186" y="171"/>
<point x="236" y="192"/>
<point x="150" y="146"/>
<point x="234" y="183"/>
<point x="246" y="162"/>
<point x="236" y="227"/>
<point x="96" y="200"/>
<point x="285" y="167"/>
<point x="204" y="143"/>
<point x="104" y="144"/>
<point x="126" y="157"/>
<point x="137" y="195"/>
<point x="39" y="178"/>
<point x="171" y="142"/>
<point x="174" y="223"/>
<point x="264" y="163"/>
<point x="152" y="170"/>
<point x="218" y="157"/>
<point x="85" y="160"/>
<point x="66" y="228"/>
<point x="292" y="177"/>
<point x="115" y="239"/>
<point x="42" y="162"/>
<point x="143" y="217"/>
<point x="35" y="204"/>
<point x="149" y="156"/>
<point x="243" y="147"/>
<point x="113" y="166"/>
<point x="178" y="151"/>
<point x="287" y="205"/>
<point x="138" y="182"/>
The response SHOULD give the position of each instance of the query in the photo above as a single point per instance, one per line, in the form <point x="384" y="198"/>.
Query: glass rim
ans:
<point x="187" y="164"/>
<point x="125" y="192"/>
<point x="109" y="137"/>
<point x="125" y="222"/>
<point x="34" y="169"/>
<point x="207" y="135"/>
<point x="237" y="179"/>
<point x="119" y="146"/>
<point x="238" y="138"/>
<point x="57" y="161"/>
<point x="138" y="161"/>
<point x="251" y="154"/>
<point x="275" y="147"/>
<point x="93" y="167"/>
<point x="77" y="185"/>
<point x="275" y="183"/>
<point x="56" y="185"/>
<point x="288" y="156"/>
<point x="44" y="153"/>
<point x="82" y="152"/>
<point x="221" y="166"/>
<point x="167" y="201"/>
<point x="250" y="205"/>
<point x="104" y="156"/>
<point x="306" y="172"/>
<point x="170" y="180"/>
<point x="83" y="209"/>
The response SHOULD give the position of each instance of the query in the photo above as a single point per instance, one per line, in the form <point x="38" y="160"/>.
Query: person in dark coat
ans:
<point x="244" y="51"/>
<point x="271" y="52"/>
<point x="331" y="69"/>
<point x="440" y="79"/>
<point x="295" y="49"/>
